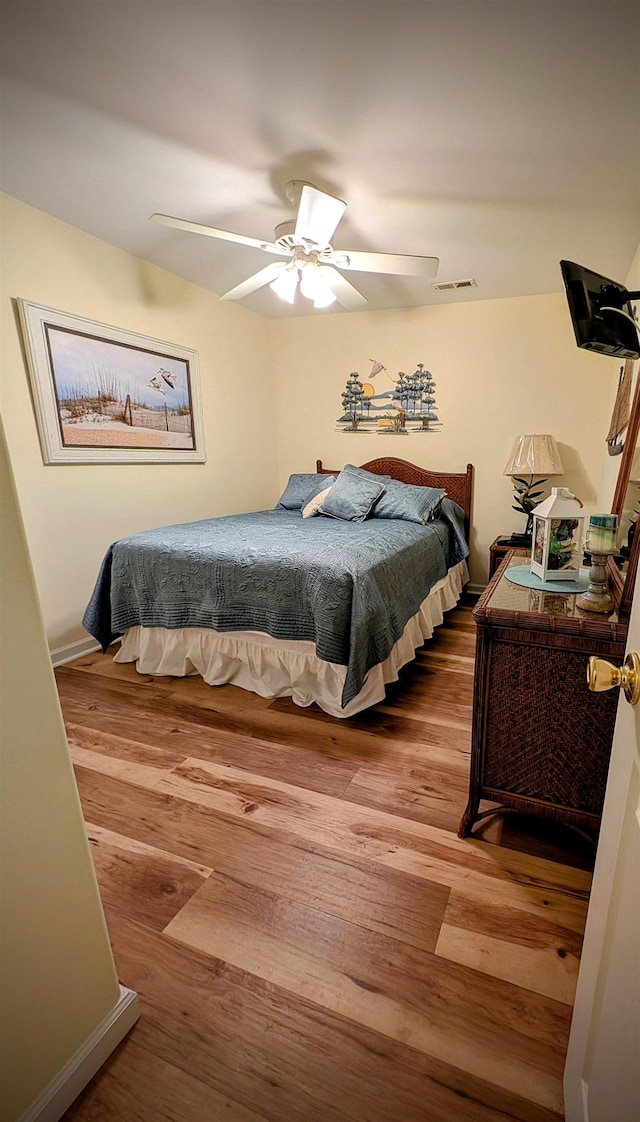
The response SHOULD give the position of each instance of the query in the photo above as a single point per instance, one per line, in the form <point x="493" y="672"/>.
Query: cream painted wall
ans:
<point x="502" y="368"/>
<point x="71" y="512"/>
<point x="58" y="976"/>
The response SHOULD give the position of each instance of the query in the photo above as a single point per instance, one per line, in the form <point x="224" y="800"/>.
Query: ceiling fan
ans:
<point x="312" y="262"/>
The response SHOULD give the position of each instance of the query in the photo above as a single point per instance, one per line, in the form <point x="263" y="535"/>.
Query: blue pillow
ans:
<point x="367" y="474"/>
<point x="301" y="488"/>
<point x="352" y="496"/>
<point x="407" y="501"/>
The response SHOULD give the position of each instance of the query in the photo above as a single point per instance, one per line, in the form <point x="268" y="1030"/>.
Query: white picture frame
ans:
<point x="105" y="395"/>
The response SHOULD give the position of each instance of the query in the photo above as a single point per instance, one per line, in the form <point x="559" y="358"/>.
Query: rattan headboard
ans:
<point x="458" y="485"/>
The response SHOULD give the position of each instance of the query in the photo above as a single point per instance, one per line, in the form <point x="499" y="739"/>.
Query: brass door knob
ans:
<point x="603" y="675"/>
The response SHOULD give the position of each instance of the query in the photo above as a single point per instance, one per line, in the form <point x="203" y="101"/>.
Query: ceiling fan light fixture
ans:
<point x="324" y="299"/>
<point x="325" y="296"/>
<point x="312" y="261"/>
<point x="309" y="280"/>
<point x="315" y="286"/>
<point x="286" y="284"/>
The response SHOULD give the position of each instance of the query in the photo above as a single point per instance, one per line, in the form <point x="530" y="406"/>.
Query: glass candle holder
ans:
<point x="602" y="536"/>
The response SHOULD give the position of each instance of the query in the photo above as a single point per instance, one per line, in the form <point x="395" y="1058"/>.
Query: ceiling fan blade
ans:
<point x="212" y="232"/>
<point x="258" y="280"/>
<point x="345" y="293"/>
<point x="318" y="215"/>
<point x="393" y="263"/>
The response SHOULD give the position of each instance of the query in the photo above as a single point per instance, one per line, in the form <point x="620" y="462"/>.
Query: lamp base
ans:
<point x="597" y="598"/>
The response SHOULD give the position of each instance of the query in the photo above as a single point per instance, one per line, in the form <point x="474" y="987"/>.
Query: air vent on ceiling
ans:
<point x="446" y="286"/>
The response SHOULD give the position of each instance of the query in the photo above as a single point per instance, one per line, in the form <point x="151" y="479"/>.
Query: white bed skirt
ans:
<point x="279" y="667"/>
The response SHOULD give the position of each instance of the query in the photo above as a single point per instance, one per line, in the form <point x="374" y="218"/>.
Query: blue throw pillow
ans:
<point x="301" y="488"/>
<point x="352" y="496"/>
<point x="367" y="474"/>
<point x="407" y="501"/>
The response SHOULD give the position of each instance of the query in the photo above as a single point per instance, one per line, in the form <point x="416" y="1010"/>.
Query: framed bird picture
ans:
<point x="106" y="395"/>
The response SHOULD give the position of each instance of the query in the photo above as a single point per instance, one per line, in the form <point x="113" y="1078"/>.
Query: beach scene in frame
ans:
<point x="103" y="394"/>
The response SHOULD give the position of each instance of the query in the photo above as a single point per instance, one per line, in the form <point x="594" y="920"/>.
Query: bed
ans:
<point x="319" y="609"/>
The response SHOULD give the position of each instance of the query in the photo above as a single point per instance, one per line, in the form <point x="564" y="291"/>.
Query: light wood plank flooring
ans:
<point x="309" y="939"/>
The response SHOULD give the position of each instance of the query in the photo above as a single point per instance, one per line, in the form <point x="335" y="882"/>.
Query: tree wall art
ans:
<point x="408" y="406"/>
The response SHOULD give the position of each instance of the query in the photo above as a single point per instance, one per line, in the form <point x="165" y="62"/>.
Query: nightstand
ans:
<point x="541" y="740"/>
<point x="500" y="547"/>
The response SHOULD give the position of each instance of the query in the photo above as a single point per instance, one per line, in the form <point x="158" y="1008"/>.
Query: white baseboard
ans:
<point x="585" y="1099"/>
<point x="73" y="650"/>
<point x="476" y="589"/>
<point x="83" y="1065"/>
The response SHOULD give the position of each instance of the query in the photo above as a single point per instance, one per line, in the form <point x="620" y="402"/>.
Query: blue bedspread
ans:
<point x="348" y="587"/>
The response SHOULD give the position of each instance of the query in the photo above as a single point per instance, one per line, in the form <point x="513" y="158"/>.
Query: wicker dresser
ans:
<point x="541" y="740"/>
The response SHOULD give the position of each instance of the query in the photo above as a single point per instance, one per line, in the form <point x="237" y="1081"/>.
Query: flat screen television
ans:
<point x="601" y="312"/>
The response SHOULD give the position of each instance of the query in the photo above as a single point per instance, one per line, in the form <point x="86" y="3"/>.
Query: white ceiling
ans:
<point x="499" y="136"/>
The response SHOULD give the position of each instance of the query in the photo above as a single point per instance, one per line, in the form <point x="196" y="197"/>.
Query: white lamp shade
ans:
<point x="534" y="455"/>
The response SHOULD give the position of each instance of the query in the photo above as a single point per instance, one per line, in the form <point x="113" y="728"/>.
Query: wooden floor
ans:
<point x="309" y="939"/>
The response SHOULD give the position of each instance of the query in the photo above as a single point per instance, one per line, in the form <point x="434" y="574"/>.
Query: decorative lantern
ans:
<point x="558" y="534"/>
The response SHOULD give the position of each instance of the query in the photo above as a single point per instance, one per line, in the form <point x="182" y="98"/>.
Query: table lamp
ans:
<point x="533" y="456"/>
